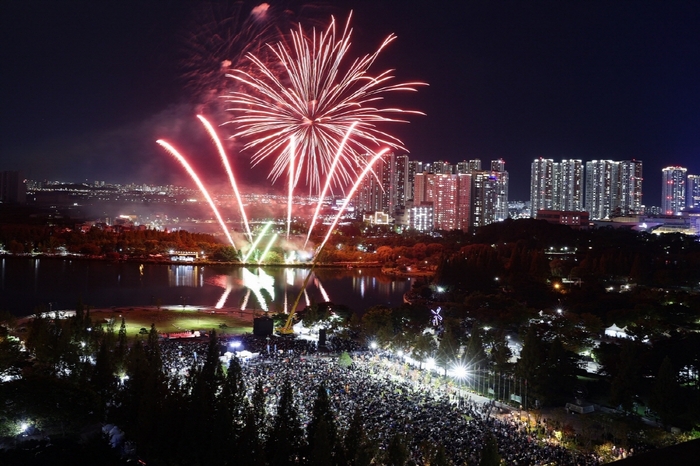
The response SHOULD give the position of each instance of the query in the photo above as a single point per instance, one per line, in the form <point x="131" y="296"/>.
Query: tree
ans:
<point x="500" y="352"/>
<point x="664" y="393"/>
<point x="103" y="374"/>
<point x="440" y="457"/>
<point x="206" y="384"/>
<point x="529" y="365"/>
<point x="225" y="254"/>
<point x="377" y="323"/>
<point x="10" y="354"/>
<point x="475" y="353"/>
<point x="626" y="381"/>
<point x="359" y="450"/>
<point x="397" y="453"/>
<point x="286" y="437"/>
<point x="423" y="347"/>
<point x="345" y="360"/>
<point x="153" y="355"/>
<point x="489" y="454"/>
<point x="258" y="405"/>
<point x="447" y="348"/>
<point x="558" y="373"/>
<point x="231" y="405"/>
<point x="122" y="347"/>
<point x="250" y="451"/>
<point x="321" y="431"/>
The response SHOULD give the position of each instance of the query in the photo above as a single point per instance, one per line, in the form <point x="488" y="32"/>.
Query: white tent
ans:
<point x="616" y="332"/>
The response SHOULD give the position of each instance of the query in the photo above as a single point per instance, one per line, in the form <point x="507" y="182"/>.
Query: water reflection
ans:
<point x="28" y="283"/>
<point x="184" y="275"/>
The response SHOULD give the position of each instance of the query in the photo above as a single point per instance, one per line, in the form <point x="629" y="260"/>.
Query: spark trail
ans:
<point x="257" y="241"/>
<point x="328" y="181"/>
<point x="267" y="248"/>
<point x="367" y="169"/>
<point x="227" y="166"/>
<point x="292" y="150"/>
<point x="171" y="150"/>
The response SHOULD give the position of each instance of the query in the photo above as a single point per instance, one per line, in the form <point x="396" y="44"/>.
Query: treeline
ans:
<point x="19" y="239"/>
<point x="523" y="253"/>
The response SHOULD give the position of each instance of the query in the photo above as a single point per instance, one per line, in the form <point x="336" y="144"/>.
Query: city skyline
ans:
<point x="91" y="87"/>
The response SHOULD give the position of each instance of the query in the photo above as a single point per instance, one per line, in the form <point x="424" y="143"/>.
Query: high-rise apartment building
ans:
<point x="542" y="186"/>
<point x="414" y="167"/>
<point x="403" y="190"/>
<point x="500" y="187"/>
<point x="569" y="184"/>
<point x="556" y="185"/>
<point x="377" y="192"/>
<point x="630" y="188"/>
<point x="483" y="198"/>
<point x="692" y="189"/>
<point x="441" y="167"/>
<point x="673" y="190"/>
<point x="602" y="186"/>
<point x="498" y="165"/>
<point x="450" y="197"/>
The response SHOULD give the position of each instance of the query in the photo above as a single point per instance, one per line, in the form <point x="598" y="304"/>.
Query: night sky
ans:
<point x="88" y="86"/>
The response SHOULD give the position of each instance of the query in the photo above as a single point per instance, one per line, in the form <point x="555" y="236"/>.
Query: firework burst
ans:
<point x="310" y="94"/>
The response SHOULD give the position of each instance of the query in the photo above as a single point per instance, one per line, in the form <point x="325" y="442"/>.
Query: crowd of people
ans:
<point x="389" y="402"/>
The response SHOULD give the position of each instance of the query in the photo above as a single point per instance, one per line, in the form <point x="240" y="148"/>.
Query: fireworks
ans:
<point x="227" y="166"/>
<point x="309" y="94"/>
<point x="307" y="107"/>
<point x="222" y="34"/>
<point x="172" y="151"/>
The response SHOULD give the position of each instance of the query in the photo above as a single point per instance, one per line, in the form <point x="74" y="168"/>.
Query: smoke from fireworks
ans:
<point x="309" y="93"/>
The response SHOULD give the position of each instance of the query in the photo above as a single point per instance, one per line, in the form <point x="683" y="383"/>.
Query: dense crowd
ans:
<point x="389" y="402"/>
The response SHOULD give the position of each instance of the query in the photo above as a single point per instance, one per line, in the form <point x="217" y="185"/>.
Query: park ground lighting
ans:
<point x="459" y="371"/>
<point x="23" y="427"/>
<point x="235" y="344"/>
<point x="373" y="345"/>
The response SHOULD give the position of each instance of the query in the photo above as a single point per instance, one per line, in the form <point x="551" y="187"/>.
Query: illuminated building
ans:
<point x="441" y="168"/>
<point x="421" y="217"/>
<point x="498" y="170"/>
<point x="630" y="190"/>
<point x="542" y="186"/>
<point x="601" y="187"/>
<point x="693" y="190"/>
<point x="403" y="189"/>
<point x="673" y="190"/>
<point x="414" y="167"/>
<point x="574" y="219"/>
<point x="378" y="193"/>
<point x="570" y="185"/>
<point x="450" y="197"/>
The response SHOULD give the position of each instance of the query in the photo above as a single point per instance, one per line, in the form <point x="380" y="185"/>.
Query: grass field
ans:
<point x="175" y="320"/>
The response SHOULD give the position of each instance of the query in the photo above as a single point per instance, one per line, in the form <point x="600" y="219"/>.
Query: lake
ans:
<point x="28" y="284"/>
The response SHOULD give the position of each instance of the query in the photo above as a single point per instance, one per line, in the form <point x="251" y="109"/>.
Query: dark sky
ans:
<point x="87" y="86"/>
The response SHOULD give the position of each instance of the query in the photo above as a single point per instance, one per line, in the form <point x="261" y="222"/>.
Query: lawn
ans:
<point x="175" y="320"/>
